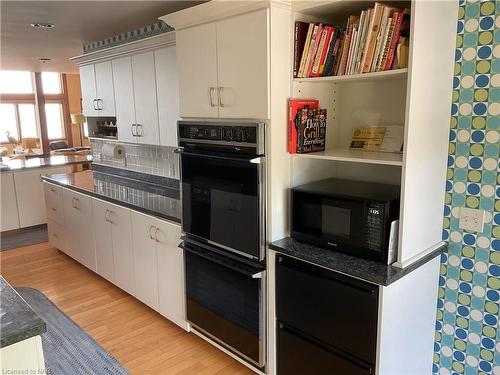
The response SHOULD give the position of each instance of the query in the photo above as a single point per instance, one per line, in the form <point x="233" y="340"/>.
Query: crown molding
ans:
<point x="136" y="46"/>
<point x="218" y="9"/>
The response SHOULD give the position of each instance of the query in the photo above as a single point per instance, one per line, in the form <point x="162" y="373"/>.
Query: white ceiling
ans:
<point x="76" y="23"/>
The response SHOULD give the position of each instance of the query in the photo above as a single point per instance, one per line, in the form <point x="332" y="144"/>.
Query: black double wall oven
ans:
<point x="223" y="169"/>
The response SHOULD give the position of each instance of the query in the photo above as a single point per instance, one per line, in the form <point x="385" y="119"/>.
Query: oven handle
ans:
<point x="259" y="274"/>
<point x="256" y="160"/>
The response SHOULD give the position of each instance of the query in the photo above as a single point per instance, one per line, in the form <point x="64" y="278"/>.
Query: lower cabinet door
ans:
<point x="171" y="273"/>
<point x="57" y="235"/>
<point x="123" y="255"/>
<point x="103" y="240"/>
<point x="85" y="230"/>
<point x="9" y="216"/>
<point x="298" y="356"/>
<point x="71" y="218"/>
<point x="145" y="259"/>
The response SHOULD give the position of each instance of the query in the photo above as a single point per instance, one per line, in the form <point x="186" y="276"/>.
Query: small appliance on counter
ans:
<point x="354" y="217"/>
<point x="223" y="219"/>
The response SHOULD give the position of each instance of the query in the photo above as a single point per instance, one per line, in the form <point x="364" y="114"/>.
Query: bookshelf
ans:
<point x="374" y="76"/>
<point x="356" y="156"/>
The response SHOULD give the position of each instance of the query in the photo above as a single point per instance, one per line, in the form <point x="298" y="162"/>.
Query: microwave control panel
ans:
<point x="375" y="226"/>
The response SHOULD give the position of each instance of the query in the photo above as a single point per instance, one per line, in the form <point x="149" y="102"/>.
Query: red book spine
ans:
<point x="294" y="106"/>
<point x="315" y="50"/>
<point x="330" y="30"/>
<point x="394" y="41"/>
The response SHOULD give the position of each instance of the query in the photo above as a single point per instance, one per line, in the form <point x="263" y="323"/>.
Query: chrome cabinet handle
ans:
<point x="99" y="107"/>
<point x="53" y="209"/>
<point x="94" y="102"/>
<point x="219" y="94"/>
<point x="156" y="234"/>
<point x="52" y="190"/>
<point x="151" y="235"/>
<point x="106" y="213"/>
<point x="137" y="127"/>
<point x="210" y="92"/>
<point x="132" y="130"/>
<point x="73" y="202"/>
<point x="110" y="212"/>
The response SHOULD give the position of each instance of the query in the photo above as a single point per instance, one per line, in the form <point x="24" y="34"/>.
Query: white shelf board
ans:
<point x="356" y="156"/>
<point x="387" y="74"/>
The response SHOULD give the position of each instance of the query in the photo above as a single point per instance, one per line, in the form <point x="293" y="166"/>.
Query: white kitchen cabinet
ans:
<point x="103" y="240"/>
<point x="124" y="99"/>
<point x="113" y="244"/>
<point x="9" y="216"/>
<point x="98" y="98"/>
<point x="136" y="104"/>
<point x="243" y="66"/>
<point x="57" y="235"/>
<point x="171" y="290"/>
<point x="30" y="195"/>
<point x="167" y="94"/>
<point x="79" y="229"/>
<point x="105" y="94"/>
<point x="145" y="259"/>
<point x="223" y="67"/>
<point x="54" y="203"/>
<point x="197" y="70"/>
<point x="87" y="82"/>
<point x="146" y="107"/>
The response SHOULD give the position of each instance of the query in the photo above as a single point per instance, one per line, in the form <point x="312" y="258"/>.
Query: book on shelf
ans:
<point x="307" y="126"/>
<point x="375" y="40"/>
<point x="378" y="138"/>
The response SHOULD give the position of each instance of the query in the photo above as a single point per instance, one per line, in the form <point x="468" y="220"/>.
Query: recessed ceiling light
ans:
<point x="42" y="25"/>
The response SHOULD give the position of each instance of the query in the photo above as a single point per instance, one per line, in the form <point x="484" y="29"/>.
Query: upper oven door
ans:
<point x="223" y="201"/>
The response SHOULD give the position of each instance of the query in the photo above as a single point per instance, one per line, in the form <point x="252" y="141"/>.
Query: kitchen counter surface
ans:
<point x="152" y="195"/>
<point x="14" y="165"/>
<point x="18" y="322"/>
<point x="367" y="270"/>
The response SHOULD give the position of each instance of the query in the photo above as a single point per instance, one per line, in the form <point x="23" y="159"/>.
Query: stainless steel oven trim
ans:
<point x="262" y="329"/>
<point x="212" y="142"/>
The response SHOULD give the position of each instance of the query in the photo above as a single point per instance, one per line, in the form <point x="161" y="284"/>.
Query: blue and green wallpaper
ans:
<point x="467" y="327"/>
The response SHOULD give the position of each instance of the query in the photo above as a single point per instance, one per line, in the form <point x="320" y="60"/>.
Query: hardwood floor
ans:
<point x="140" y="339"/>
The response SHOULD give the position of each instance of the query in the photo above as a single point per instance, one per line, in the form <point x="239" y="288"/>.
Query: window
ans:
<point x="8" y="122"/>
<point x="51" y="83"/>
<point x="27" y="120"/>
<point x="15" y="82"/>
<point x="55" y="122"/>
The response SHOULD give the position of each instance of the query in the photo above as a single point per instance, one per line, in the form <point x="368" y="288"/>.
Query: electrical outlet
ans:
<point x="471" y="219"/>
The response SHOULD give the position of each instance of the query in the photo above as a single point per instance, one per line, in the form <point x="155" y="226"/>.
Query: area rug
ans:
<point x="25" y="237"/>
<point x="68" y="349"/>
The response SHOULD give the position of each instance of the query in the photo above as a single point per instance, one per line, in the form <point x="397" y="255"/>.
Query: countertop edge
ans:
<point x="172" y="219"/>
<point x="35" y="167"/>
<point x="384" y="281"/>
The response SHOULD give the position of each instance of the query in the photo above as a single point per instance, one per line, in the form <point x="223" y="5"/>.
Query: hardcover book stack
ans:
<point x="307" y="126"/>
<point x="374" y="41"/>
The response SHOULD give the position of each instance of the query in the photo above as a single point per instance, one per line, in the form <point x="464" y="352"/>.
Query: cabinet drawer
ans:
<point x="338" y="310"/>
<point x="54" y="203"/>
<point x="297" y="355"/>
<point x="57" y="235"/>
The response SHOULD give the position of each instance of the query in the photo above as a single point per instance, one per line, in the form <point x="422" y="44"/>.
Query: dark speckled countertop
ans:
<point x="18" y="321"/>
<point x="367" y="270"/>
<point x="152" y="195"/>
<point x="13" y="165"/>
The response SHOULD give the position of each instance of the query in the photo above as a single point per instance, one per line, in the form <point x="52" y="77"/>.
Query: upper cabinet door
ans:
<point x="167" y="93"/>
<point x="89" y="97"/>
<point x="124" y="98"/>
<point x="243" y="66"/>
<point x="104" y="89"/>
<point x="197" y="69"/>
<point x="146" y="108"/>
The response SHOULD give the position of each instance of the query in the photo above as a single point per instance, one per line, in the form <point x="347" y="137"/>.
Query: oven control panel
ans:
<point x="222" y="136"/>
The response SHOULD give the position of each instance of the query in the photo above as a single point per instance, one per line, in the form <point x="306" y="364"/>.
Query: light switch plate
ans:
<point x="471" y="220"/>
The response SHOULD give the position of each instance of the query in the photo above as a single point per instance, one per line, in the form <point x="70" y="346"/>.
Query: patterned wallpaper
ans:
<point x="156" y="28"/>
<point x="467" y="333"/>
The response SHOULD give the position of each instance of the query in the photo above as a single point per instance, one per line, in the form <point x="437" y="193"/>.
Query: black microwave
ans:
<point x="353" y="217"/>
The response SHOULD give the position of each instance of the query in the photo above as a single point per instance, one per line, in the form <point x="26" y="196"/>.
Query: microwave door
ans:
<point x="342" y="222"/>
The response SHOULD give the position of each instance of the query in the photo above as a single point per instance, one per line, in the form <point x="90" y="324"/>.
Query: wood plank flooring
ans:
<point x="140" y="339"/>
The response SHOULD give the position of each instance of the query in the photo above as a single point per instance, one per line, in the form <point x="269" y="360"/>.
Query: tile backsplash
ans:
<point x="155" y="160"/>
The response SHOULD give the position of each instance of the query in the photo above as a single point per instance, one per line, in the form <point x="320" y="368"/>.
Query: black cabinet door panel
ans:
<point x="337" y="310"/>
<point x="299" y="356"/>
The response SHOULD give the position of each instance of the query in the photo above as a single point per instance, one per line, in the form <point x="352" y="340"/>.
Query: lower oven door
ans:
<point x="225" y="301"/>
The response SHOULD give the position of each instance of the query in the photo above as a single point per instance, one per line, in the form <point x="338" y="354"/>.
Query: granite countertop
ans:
<point x="153" y="195"/>
<point x="18" y="321"/>
<point x="13" y="165"/>
<point x="367" y="270"/>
